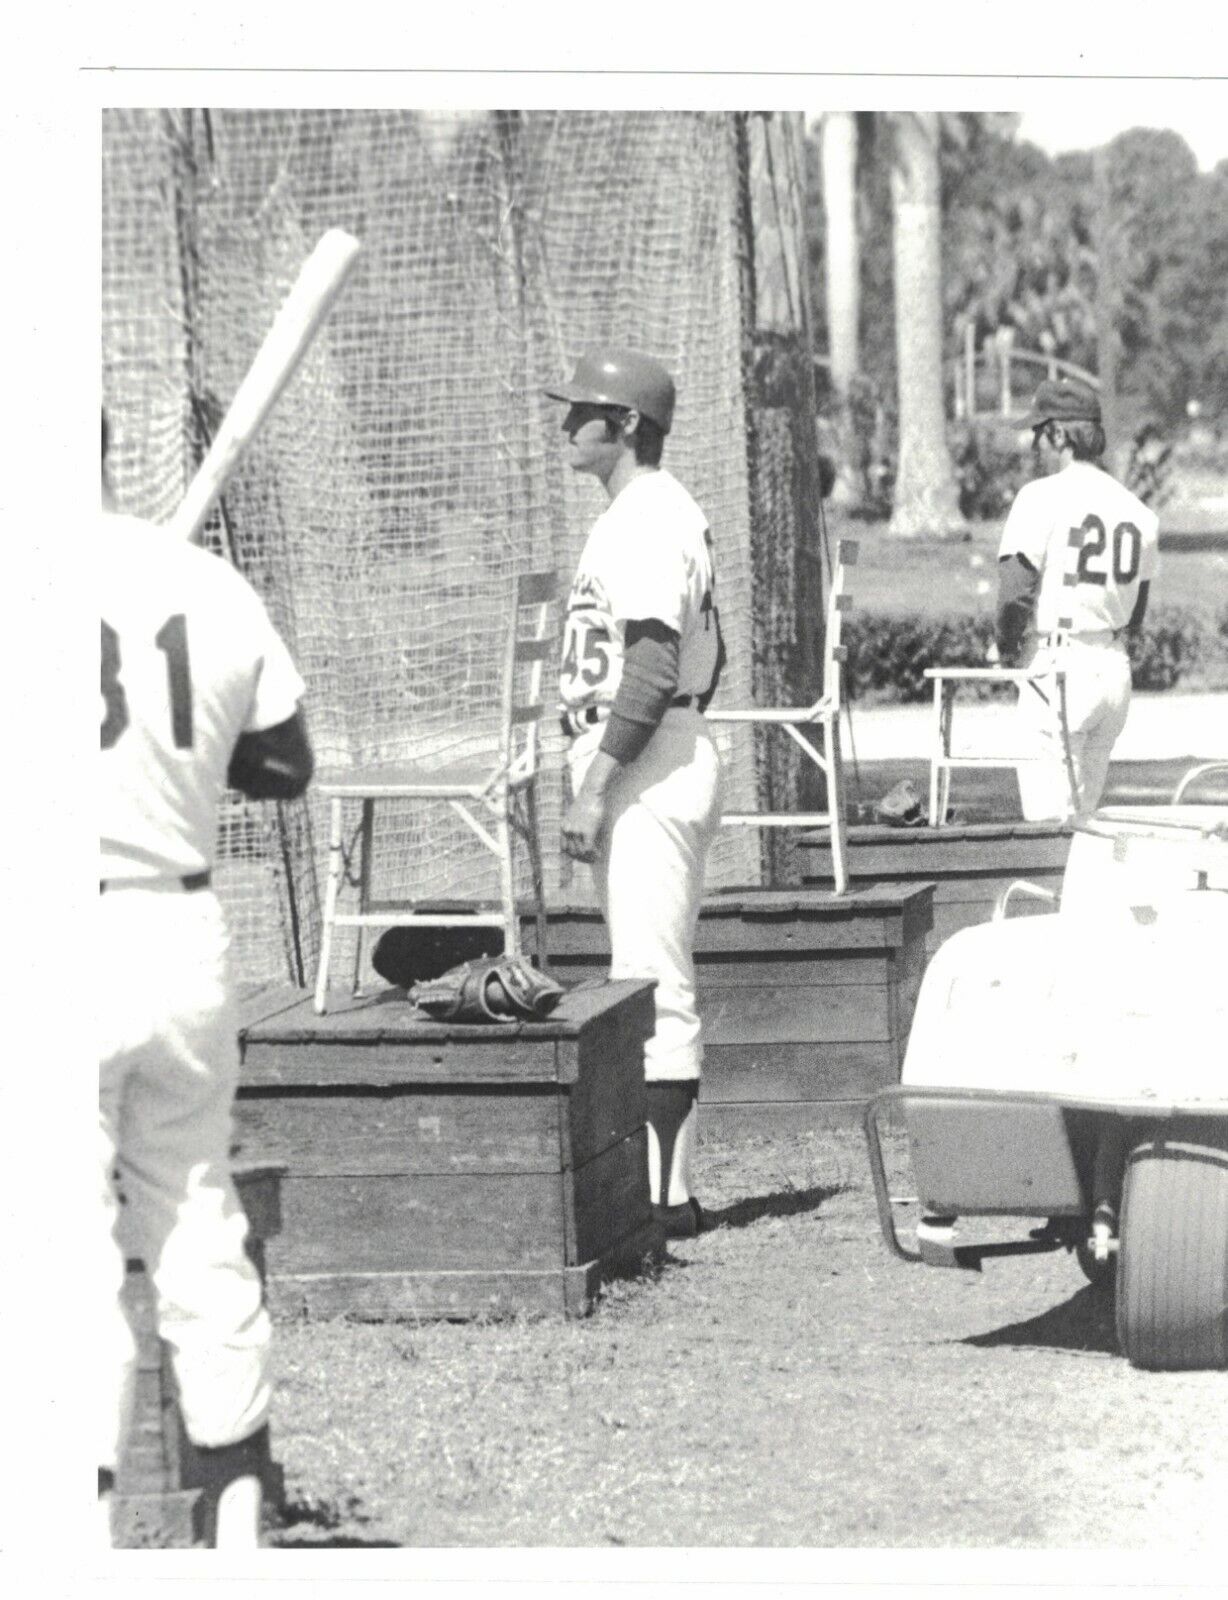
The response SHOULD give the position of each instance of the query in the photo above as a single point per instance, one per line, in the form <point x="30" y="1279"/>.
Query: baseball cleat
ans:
<point x="682" y="1221"/>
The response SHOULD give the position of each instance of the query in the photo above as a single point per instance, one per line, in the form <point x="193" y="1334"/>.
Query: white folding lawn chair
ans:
<point x="496" y="801"/>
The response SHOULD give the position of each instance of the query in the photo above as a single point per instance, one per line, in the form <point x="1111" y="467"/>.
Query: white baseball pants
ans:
<point x="1097" y="703"/>
<point x="664" y="812"/>
<point x="168" y="1067"/>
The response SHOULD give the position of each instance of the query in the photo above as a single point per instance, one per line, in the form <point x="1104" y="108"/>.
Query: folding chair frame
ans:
<point x="823" y="716"/>
<point x="946" y="680"/>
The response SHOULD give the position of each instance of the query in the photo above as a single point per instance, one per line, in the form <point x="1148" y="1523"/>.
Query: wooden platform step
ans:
<point x="166" y="1520"/>
<point x="969" y="865"/>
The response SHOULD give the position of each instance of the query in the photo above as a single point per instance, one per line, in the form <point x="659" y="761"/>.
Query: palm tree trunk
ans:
<point x="839" y="134"/>
<point x="926" y="500"/>
<point x="843" y="275"/>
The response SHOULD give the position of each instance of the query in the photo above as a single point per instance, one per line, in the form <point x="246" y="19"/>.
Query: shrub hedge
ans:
<point x="1170" y="646"/>
<point x="889" y="652"/>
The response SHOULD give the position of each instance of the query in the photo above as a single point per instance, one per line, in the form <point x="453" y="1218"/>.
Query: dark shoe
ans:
<point x="682" y="1221"/>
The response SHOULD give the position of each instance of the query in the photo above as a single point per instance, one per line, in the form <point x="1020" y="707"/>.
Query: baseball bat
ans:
<point x="300" y="318"/>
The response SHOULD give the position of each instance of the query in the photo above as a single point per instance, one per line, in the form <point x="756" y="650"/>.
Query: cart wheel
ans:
<point x="1172" y="1282"/>
<point x="1100" y="1274"/>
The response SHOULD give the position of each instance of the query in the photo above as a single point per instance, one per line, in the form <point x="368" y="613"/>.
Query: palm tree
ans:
<point x="926" y="501"/>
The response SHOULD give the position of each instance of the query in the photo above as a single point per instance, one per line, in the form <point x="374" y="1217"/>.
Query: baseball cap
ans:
<point x="1064" y="400"/>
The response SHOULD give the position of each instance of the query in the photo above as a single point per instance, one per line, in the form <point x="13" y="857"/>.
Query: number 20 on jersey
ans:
<point x="1092" y="541"/>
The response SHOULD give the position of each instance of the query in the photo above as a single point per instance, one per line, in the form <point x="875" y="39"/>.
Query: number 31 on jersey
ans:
<point x="172" y="640"/>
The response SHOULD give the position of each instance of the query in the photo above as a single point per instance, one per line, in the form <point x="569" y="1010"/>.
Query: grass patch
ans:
<point x="937" y="579"/>
<point x="954" y="586"/>
<point x="782" y="1381"/>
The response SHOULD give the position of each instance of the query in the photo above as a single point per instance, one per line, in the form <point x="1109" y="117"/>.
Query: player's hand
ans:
<point x="581" y="826"/>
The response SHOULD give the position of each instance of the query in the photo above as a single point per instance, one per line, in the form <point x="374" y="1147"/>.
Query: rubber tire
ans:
<point x="1172" y="1276"/>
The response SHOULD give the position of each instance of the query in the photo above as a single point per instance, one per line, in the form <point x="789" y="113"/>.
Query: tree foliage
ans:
<point x="1019" y="247"/>
<point x="1169" y="247"/>
<point x="1021" y="250"/>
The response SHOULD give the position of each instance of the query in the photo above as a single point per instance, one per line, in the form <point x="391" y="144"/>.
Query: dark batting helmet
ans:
<point x="1064" y="400"/>
<point x="612" y="377"/>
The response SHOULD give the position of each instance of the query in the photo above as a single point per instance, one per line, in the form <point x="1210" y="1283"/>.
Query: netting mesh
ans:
<point x="413" y="466"/>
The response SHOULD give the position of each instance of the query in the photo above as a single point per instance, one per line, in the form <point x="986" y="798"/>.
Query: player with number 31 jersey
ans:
<point x="198" y="693"/>
<point x="190" y="661"/>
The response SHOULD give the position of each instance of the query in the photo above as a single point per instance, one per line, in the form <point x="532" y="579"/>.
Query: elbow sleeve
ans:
<point x="1140" y="607"/>
<point x="274" y="763"/>
<point x="1018" y="586"/>
<point x="649" y="682"/>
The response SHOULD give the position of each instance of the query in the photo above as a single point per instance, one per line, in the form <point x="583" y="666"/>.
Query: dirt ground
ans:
<point x="782" y="1381"/>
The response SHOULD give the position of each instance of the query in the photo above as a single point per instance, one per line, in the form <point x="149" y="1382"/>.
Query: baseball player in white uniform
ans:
<point x="642" y="656"/>
<point x="1077" y="559"/>
<point x="197" y="691"/>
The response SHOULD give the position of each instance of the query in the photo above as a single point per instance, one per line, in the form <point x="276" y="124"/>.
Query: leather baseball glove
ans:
<point x="901" y="807"/>
<point x="494" y="989"/>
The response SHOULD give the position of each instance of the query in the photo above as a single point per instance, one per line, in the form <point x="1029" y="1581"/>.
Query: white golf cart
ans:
<point x="1073" y="1069"/>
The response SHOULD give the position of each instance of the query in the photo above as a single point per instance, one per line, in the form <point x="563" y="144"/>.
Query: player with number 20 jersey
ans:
<point x="1093" y="543"/>
<point x="1080" y="551"/>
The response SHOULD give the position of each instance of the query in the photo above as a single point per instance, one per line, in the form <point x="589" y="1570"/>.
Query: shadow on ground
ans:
<point x="781" y="1203"/>
<point x="1084" y="1323"/>
<point x="317" y="1525"/>
<point x="339" y="1541"/>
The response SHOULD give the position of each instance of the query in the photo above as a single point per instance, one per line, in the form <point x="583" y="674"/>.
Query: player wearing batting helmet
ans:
<point x="198" y="692"/>
<point x="642" y="656"/>
<point x="1075" y="566"/>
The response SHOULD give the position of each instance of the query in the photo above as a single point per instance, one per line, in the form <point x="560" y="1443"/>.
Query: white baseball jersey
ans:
<point x="1092" y="541"/>
<point x="190" y="660"/>
<point x="649" y="555"/>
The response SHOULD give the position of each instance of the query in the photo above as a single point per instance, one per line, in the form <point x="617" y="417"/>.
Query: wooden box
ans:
<point x="155" y="1504"/>
<point x="969" y="865"/>
<point x="805" y="997"/>
<point x="442" y="1170"/>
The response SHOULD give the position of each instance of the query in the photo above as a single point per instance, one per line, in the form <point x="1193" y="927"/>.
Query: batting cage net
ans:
<point x="413" y="466"/>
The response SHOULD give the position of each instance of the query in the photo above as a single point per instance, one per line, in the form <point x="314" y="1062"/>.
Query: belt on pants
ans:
<point x="188" y="884"/>
<point x="573" y="723"/>
<point x="1061" y="635"/>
